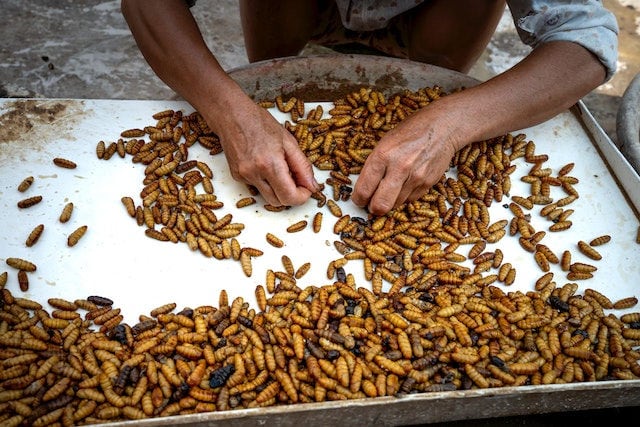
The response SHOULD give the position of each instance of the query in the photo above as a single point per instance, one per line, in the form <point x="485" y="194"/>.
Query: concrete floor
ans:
<point x="83" y="49"/>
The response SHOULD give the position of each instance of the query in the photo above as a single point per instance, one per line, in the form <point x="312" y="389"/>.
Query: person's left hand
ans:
<point x="405" y="164"/>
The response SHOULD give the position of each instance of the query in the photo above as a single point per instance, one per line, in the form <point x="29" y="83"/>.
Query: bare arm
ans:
<point x="259" y="150"/>
<point x="413" y="156"/>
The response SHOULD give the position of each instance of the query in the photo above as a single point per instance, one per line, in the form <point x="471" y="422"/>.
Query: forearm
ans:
<point x="169" y="39"/>
<point x="550" y="80"/>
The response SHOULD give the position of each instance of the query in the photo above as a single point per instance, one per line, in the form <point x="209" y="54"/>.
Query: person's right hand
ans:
<point x="261" y="152"/>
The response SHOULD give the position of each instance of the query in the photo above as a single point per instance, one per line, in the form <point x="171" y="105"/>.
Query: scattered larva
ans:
<point x="133" y="133"/>
<point x="245" y="262"/>
<point x="34" y="235"/>
<point x="76" y="235"/>
<point x="317" y="222"/>
<point x="274" y="240"/>
<point x="298" y="226"/>
<point x="302" y="270"/>
<point x="25" y="184"/>
<point x="100" y="149"/>
<point x="600" y="240"/>
<point x="67" y="210"/>
<point x="129" y="205"/>
<point x="23" y="280"/>
<point x="64" y="163"/>
<point x="100" y="300"/>
<point x="21" y="264"/>
<point x="624" y="303"/>
<point x="29" y="201"/>
<point x="587" y="250"/>
<point x="560" y="226"/>
<point x="334" y="208"/>
<point x="245" y="201"/>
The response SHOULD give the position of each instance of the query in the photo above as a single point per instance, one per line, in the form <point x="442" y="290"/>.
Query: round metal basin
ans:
<point x="628" y="123"/>
<point x="327" y="77"/>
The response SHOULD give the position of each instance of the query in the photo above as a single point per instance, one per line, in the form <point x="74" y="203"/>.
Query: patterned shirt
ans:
<point x="585" y="22"/>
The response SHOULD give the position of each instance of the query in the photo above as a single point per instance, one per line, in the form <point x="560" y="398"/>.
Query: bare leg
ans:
<point x="276" y="28"/>
<point x="452" y="34"/>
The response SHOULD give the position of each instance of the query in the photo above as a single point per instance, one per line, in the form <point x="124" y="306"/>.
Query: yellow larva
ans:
<point x="587" y="250"/>
<point x="245" y="262"/>
<point x="132" y="133"/>
<point x="34" y="235"/>
<point x="274" y="240"/>
<point x="100" y="149"/>
<point x="245" y="201"/>
<point x="23" y="280"/>
<point x="261" y="297"/>
<point x="64" y="163"/>
<point x="623" y="303"/>
<point x="21" y="264"/>
<point x="205" y="169"/>
<point x="287" y="264"/>
<point x="298" y="226"/>
<point x="600" y="240"/>
<point x="65" y="215"/>
<point x="317" y="222"/>
<point x="334" y="208"/>
<point x="302" y="270"/>
<point x="25" y="184"/>
<point x="129" y="205"/>
<point x="30" y="201"/>
<point x="76" y="235"/>
<point x="560" y="226"/>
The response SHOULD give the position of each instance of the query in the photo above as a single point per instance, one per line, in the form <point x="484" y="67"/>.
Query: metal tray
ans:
<point x="116" y="260"/>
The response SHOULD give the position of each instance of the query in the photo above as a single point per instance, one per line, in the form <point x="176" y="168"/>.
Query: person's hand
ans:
<point x="262" y="153"/>
<point x="405" y="164"/>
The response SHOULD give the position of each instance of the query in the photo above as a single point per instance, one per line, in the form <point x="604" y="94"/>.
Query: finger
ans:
<point x="417" y="193"/>
<point x="267" y="193"/>
<point x="284" y="187"/>
<point x="372" y="173"/>
<point x="288" y="193"/>
<point x="385" y="197"/>
<point x="301" y="169"/>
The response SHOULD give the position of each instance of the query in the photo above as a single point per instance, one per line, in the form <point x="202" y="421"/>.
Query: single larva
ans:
<point x="23" y="280"/>
<point x="245" y="263"/>
<point x="129" y="205"/>
<point x="317" y="222"/>
<point x="245" y="201"/>
<point x="560" y="226"/>
<point x="274" y="240"/>
<point x="21" y="264"/>
<point x="34" y="235"/>
<point x="100" y="300"/>
<point x="133" y="133"/>
<point x="30" y="201"/>
<point x="76" y="235"/>
<point x="334" y="208"/>
<point x="25" y="184"/>
<point x="302" y="270"/>
<point x="600" y="240"/>
<point x="65" y="215"/>
<point x="587" y="250"/>
<point x="298" y="226"/>
<point x="624" y="303"/>
<point x="64" y="163"/>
